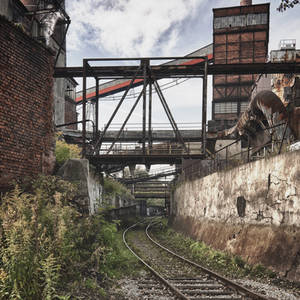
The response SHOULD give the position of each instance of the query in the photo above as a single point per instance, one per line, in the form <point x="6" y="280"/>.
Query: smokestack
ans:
<point x="246" y="2"/>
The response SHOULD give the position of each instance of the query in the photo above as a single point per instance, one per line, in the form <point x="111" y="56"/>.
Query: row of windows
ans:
<point x="244" y="106"/>
<point x="230" y="107"/>
<point x="240" y="21"/>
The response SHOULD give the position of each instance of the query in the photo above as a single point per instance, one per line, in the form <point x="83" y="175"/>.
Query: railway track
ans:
<point x="174" y="277"/>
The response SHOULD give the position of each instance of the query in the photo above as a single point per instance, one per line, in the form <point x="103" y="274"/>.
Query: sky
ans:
<point x="140" y="28"/>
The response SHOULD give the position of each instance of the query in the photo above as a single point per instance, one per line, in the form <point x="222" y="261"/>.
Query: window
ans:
<point x="240" y="20"/>
<point x="244" y="106"/>
<point x="226" y="108"/>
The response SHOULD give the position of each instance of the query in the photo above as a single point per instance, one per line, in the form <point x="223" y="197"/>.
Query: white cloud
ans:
<point x="158" y="28"/>
<point x="128" y="27"/>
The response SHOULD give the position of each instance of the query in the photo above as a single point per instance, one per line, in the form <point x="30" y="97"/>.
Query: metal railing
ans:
<point x="156" y="126"/>
<point x="137" y="149"/>
<point x="227" y="161"/>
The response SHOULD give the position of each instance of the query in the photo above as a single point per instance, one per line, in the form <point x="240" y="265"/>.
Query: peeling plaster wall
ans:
<point x="252" y="210"/>
<point x="95" y="190"/>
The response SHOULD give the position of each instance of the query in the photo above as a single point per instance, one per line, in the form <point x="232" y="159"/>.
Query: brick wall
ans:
<point x="26" y="106"/>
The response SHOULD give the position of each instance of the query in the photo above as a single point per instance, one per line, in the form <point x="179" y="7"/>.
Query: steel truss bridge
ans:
<point x="147" y="73"/>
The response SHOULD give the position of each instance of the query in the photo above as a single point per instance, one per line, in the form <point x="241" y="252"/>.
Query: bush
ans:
<point x="36" y="243"/>
<point x="114" y="188"/>
<point x="64" y="151"/>
<point x="46" y="244"/>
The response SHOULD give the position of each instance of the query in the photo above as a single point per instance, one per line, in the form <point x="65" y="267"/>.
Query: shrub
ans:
<point x="36" y="242"/>
<point x="45" y="244"/>
<point x="114" y="188"/>
<point x="64" y="151"/>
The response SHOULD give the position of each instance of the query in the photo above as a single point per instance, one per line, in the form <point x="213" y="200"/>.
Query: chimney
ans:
<point x="246" y="2"/>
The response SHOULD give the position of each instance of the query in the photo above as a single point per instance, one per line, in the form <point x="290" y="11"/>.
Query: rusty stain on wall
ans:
<point x="255" y="202"/>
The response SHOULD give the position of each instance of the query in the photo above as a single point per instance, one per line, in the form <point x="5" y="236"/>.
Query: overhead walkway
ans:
<point x="115" y="86"/>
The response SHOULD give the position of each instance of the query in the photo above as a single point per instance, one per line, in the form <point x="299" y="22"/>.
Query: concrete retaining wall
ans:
<point x="90" y="190"/>
<point x="252" y="210"/>
<point x="91" y="194"/>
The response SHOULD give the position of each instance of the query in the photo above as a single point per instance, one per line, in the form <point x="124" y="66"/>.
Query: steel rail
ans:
<point x="226" y="281"/>
<point x="163" y="280"/>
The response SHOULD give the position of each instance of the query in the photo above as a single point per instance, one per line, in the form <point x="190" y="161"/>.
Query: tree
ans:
<point x="287" y="4"/>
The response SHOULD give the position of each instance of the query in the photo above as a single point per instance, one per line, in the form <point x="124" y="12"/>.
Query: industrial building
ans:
<point x="240" y="35"/>
<point x="47" y="22"/>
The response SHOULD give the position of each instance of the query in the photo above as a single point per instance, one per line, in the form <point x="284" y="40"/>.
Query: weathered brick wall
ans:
<point x="26" y="106"/>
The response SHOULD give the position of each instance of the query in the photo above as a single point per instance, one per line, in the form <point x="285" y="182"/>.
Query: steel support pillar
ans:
<point x="145" y="64"/>
<point x="150" y="116"/>
<point x="97" y="107"/>
<point x="204" y="106"/>
<point x="85" y="63"/>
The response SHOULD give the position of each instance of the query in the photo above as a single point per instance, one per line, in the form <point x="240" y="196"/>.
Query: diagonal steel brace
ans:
<point x="99" y="141"/>
<point x="125" y="122"/>
<point x="168" y="112"/>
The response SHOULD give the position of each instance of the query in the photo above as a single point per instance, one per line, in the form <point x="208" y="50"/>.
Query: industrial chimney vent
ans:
<point x="246" y="2"/>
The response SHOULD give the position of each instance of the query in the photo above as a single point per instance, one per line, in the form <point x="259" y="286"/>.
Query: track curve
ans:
<point x="201" y="284"/>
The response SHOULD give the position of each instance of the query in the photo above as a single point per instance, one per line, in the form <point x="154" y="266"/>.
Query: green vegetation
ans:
<point x="156" y="202"/>
<point x="64" y="151"/>
<point x="50" y="251"/>
<point x="219" y="261"/>
<point x="114" y="188"/>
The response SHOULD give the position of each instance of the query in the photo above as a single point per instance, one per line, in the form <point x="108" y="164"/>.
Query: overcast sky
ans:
<point x="127" y="28"/>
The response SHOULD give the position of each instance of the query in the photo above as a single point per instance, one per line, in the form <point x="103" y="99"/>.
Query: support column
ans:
<point x="150" y="117"/>
<point x="84" y="108"/>
<point x="97" y="108"/>
<point x="145" y="63"/>
<point x="204" y="107"/>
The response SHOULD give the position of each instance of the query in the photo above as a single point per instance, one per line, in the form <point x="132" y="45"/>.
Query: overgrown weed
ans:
<point x="64" y="151"/>
<point x="46" y="245"/>
<point x="223" y="262"/>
